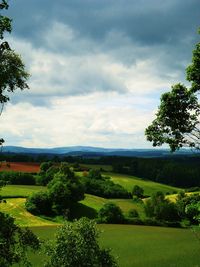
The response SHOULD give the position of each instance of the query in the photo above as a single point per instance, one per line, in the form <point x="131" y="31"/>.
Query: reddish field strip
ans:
<point x="20" y="166"/>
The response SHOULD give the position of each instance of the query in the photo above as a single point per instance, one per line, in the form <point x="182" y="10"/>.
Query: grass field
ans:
<point x="15" y="208"/>
<point x="141" y="246"/>
<point x="149" y="187"/>
<point x="125" y="204"/>
<point x="20" y="190"/>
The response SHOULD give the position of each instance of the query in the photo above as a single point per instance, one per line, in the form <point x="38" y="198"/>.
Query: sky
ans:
<point x="98" y="68"/>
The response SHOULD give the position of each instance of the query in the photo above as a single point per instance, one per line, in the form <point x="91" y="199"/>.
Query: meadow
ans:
<point x="128" y="182"/>
<point x="20" y="190"/>
<point x="140" y="246"/>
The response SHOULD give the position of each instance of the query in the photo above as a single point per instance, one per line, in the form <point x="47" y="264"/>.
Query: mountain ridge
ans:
<point x="90" y="150"/>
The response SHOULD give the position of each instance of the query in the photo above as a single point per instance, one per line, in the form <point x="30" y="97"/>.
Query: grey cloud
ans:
<point x="127" y="32"/>
<point x="144" y="21"/>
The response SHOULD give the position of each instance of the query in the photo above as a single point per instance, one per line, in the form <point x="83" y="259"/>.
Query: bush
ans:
<point x="110" y="213"/>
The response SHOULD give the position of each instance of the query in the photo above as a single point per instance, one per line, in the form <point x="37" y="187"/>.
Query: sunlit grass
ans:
<point x="150" y="187"/>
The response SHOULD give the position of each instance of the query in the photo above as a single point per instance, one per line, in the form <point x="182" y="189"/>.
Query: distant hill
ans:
<point x="94" y="151"/>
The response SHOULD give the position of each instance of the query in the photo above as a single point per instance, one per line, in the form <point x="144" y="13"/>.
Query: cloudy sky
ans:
<point x="97" y="68"/>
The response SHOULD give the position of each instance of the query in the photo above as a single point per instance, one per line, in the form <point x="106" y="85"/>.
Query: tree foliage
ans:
<point x="12" y="70"/>
<point x="110" y="213"/>
<point x="15" y="242"/>
<point x="189" y="207"/>
<point x="76" y="244"/>
<point x="102" y="186"/>
<point x="63" y="191"/>
<point x="177" y="120"/>
<point x="138" y="191"/>
<point x="161" y="209"/>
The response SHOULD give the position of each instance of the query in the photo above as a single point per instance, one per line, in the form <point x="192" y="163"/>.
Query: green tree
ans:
<point x="94" y="174"/>
<point x="65" y="189"/>
<point x="177" y="120"/>
<point x="111" y="213"/>
<point x="44" y="166"/>
<point x="12" y="70"/>
<point x="161" y="209"/>
<point x="76" y="244"/>
<point x="15" y="242"/>
<point x="138" y="191"/>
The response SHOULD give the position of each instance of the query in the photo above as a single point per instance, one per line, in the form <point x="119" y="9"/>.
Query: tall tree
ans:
<point x="12" y="70"/>
<point x="177" y="121"/>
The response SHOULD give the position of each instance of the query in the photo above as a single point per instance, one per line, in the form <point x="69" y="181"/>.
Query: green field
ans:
<point x="149" y="187"/>
<point x="125" y="204"/>
<point x="20" y="190"/>
<point x="141" y="246"/>
<point x="15" y="208"/>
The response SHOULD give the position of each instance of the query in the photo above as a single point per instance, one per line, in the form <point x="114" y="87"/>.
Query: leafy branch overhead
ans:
<point x="13" y="74"/>
<point x="177" y="120"/>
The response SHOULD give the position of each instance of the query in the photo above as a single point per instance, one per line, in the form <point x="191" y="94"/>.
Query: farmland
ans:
<point x="20" y="166"/>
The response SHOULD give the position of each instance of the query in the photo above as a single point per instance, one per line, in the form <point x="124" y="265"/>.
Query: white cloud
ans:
<point x="76" y="121"/>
